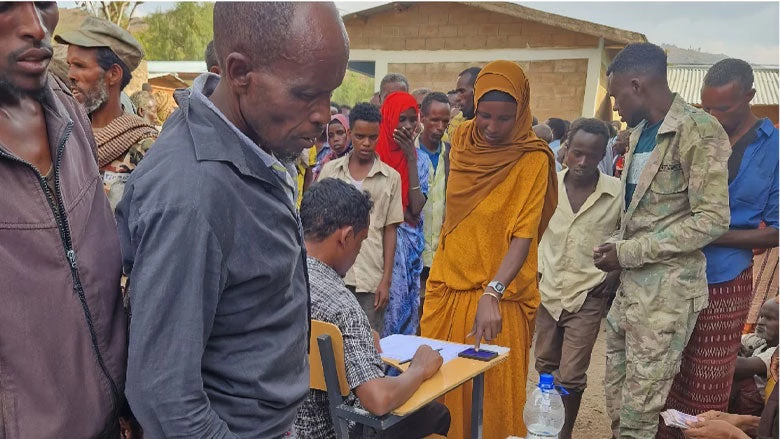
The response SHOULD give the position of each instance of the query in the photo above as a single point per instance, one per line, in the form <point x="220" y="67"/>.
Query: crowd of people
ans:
<point x="161" y="270"/>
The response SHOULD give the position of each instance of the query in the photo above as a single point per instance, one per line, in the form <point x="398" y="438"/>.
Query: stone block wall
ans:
<point x="454" y="26"/>
<point x="557" y="86"/>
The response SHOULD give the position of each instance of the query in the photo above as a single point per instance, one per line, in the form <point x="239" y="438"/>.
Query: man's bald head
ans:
<point x="255" y="29"/>
<point x="264" y="30"/>
<point x="280" y="63"/>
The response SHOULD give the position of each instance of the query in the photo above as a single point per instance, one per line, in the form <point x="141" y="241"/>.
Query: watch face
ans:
<point x="498" y="287"/>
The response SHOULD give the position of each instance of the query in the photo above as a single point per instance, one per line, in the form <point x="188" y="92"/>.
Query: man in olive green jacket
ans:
<point x="677" y="202"/>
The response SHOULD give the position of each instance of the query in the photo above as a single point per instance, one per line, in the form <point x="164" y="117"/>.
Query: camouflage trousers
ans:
<point x="644" y="350"/>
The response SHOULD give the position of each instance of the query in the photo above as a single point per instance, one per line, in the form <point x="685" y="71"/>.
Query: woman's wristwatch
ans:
<point x="498" y="287"/>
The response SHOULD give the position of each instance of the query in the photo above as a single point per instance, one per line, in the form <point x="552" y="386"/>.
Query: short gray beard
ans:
<point x="95" y="97"/>
<point x="287" y="156"/>
<point x="284" y="155"/>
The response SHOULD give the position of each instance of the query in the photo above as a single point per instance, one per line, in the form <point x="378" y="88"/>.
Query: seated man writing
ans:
<point x="335" y="218"/>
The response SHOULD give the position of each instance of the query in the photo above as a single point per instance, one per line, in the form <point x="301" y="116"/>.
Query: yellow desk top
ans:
<point x="451" y="375"/>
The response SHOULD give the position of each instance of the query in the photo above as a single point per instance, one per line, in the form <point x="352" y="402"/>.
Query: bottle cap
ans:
<point x="546" y="381"/>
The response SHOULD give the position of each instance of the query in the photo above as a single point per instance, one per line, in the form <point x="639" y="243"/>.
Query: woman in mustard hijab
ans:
<point x="501" y="193"/>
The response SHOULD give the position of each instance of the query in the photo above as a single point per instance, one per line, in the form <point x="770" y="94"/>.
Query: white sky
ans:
<point x="747" y="30"/>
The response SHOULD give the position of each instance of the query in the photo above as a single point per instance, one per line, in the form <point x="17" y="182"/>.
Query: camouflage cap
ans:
<point x="97" y="32"/>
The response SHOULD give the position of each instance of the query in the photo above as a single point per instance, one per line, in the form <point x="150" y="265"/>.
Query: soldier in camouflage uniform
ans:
<point x="677" y="202"/>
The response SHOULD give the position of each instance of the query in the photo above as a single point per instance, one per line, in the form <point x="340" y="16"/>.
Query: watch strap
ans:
<point x="498" y="287"/>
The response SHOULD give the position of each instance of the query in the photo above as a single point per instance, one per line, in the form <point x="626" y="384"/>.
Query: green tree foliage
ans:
<point x="355" y="88"/>
<point x="180" y="34"/>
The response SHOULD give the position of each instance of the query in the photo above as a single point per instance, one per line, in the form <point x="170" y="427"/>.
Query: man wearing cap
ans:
<point x="63" y="330"/>
<point x="102" y="57"/>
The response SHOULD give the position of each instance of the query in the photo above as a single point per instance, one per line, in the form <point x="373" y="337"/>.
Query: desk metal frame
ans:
<point x="342" y="413"/>
<point x="477" y="398"/>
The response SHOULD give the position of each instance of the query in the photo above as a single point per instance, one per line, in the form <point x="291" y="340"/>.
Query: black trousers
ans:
<point x="433" y="418"/>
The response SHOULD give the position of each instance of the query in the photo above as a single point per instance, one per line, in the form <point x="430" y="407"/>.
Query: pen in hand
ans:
<point x="410" y="359"/>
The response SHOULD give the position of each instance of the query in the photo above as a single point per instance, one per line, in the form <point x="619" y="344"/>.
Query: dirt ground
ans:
<point x="592" y="422"/>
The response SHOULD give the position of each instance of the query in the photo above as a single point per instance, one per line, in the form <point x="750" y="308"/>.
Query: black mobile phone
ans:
<point x="481" y="355"/>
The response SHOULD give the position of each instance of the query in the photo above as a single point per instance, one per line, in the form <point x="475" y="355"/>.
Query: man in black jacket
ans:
<point x="210" y="233"/>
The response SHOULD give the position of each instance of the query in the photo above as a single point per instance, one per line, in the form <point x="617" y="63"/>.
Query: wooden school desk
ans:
<point x="451" y="375"/>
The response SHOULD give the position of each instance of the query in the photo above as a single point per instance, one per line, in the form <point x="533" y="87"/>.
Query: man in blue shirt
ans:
<point x="708" y="361"/>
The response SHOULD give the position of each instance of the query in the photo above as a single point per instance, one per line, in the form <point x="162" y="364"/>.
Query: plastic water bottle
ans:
<point x="544" y="414"/>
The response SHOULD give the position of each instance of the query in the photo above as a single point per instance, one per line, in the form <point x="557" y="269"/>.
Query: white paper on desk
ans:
<point x="401" y="348"/>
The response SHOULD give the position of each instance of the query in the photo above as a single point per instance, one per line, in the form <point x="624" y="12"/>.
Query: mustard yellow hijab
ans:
<point x="481" y="167"/>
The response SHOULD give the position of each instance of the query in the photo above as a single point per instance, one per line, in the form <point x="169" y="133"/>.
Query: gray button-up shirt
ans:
<point x="217" y="281"/>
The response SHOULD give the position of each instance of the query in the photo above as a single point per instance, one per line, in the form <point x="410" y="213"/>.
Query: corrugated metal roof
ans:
<point x="687" y="81"/>
<point x="164" y="67"/>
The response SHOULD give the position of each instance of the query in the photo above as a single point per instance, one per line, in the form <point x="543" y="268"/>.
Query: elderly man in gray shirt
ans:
<point x="211" y="238"/>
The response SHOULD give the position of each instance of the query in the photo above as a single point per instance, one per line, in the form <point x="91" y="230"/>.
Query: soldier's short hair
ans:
<point x="640" y="58"/>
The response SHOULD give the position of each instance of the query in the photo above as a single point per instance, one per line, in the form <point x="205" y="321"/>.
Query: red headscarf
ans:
<point x="388" y="150"/>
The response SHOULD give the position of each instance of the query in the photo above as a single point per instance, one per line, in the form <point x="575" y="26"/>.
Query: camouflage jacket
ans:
<point x="680" y="205"/>
<point x="115" y="174"/>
